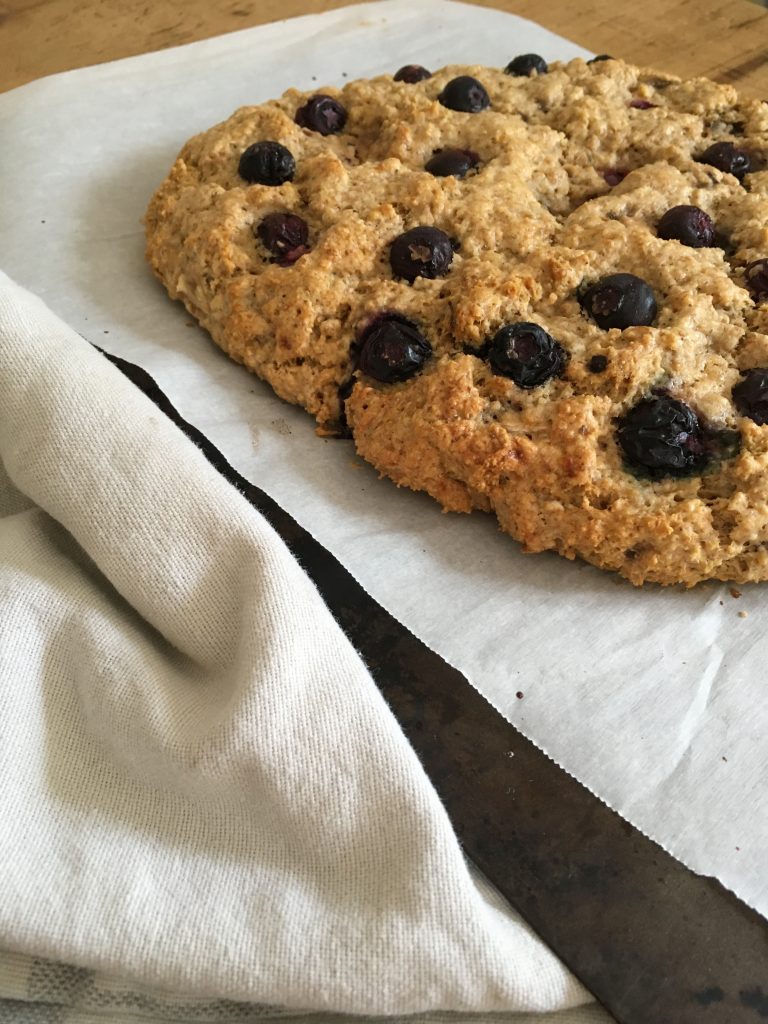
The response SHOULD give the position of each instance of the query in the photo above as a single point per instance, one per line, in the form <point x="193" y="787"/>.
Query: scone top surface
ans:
<point x="536" y="292"/>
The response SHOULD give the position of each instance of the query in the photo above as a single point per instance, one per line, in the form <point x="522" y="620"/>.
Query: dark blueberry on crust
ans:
<point x="597" y="364"/>
<point x="599" y="57"/>
<point x="322" y="114"/>
<point x="421" y="252"/>
<point x="614" y="175"/>
<point x="465" y="94"/>
<point x="689" y="225"/>
<point x="445" y="163"/>
<point x="620" y="300"/>
<point x="392" y="348"/>
<point x="756" y="279"/>
<point x="285" y="235"/>
<point x="662" y="436"/>
<point x="412" y="73"/>
<point x="642" y="104"/>
<point x="526" y="354"/>
<point x="727" y="157"/>
<point x="750" y="395"/>
<point x="267" y="163"/>
<point x="527" y="64"/>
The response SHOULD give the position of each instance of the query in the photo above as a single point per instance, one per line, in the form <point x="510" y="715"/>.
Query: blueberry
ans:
<point x="597" y="364"/>
<point x="614" y="175"/>
<point x="465" y="94"/>
<point x="756" y="278"/>
<point x="642" y="104"/>
<point x="322" y="114"/>
<point x="412" y="73"/>
<point x="421" y="252"/>
<point x="527" y="354"/>
<point x="527" y="64"/>
<point x="750" y="395"/>
<point x="620" y="300"/>
<point x="727" y="157"/>
<point x="689" y="225"/>
<point x="285" y="235"/>
<point x="446" y="163"/>
<point x="267" y="163"/>
<point x="599" y="57"/>
<point x="392" y="348"/>
<point x="663" y="437"/>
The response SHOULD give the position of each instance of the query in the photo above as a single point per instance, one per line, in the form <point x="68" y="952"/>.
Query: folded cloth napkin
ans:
<point x="202" y="790"/>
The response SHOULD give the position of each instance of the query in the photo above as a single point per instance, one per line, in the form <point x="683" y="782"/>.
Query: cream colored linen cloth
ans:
<point x="201" y="788"/>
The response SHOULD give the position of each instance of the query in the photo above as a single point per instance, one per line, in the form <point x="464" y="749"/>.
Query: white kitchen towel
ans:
<point x="44" y="992"/>
<point x="201" y="788"/>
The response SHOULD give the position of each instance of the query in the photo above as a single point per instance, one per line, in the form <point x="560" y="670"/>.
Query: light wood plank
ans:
<point x="723" y="39"/>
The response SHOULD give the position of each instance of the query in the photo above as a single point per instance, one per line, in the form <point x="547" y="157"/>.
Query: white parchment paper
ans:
<point x="655" y="699"/>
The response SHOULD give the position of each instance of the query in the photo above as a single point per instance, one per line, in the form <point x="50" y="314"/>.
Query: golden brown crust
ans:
<point x="535" y="222"/>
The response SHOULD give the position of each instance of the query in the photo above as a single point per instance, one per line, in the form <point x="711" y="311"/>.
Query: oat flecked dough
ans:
<point x="568" y="174"/>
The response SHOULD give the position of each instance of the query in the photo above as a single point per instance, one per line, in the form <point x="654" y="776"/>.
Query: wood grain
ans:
<point x="724" y="39"/>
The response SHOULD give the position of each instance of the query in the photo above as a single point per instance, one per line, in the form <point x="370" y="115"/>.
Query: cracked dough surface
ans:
<point x="535" y="221"/>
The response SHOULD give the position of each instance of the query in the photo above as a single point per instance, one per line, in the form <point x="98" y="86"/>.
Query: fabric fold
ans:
<point x="202" y="788"/>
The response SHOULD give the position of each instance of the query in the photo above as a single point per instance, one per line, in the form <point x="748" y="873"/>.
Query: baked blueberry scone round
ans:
<point x="538" y="291"/>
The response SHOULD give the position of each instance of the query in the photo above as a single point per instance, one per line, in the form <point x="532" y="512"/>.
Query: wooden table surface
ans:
<point x="724" y="39"/>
